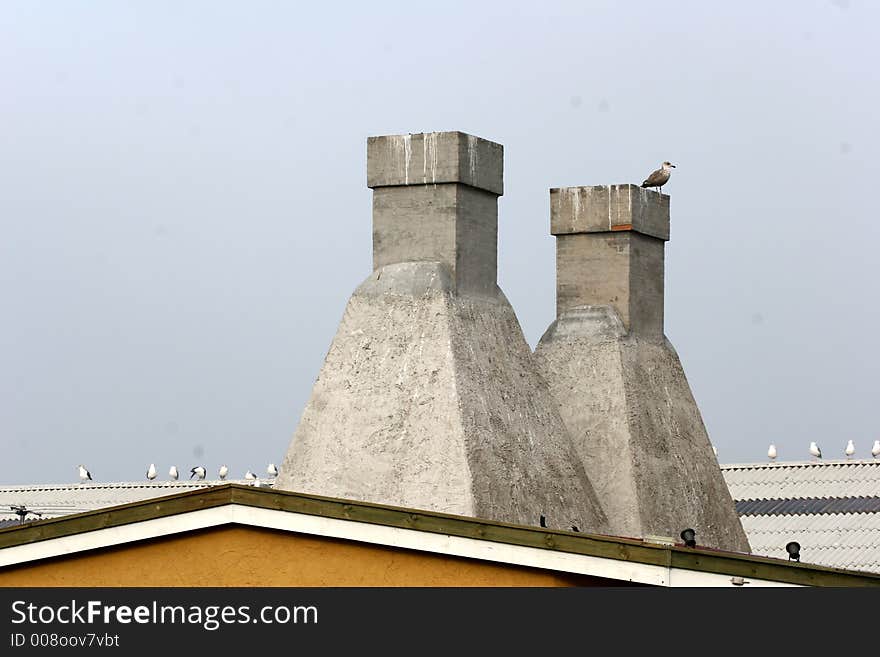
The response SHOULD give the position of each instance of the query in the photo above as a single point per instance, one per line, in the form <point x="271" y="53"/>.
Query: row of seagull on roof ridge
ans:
<point x="816" y="453"/>
<point x="198" y="472"/>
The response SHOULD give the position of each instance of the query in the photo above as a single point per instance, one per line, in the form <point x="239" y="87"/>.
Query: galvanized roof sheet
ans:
<point x="808" y="505"/>
<point x="53" y="500"/>
<point x="836" y="540"/>
<point x="757" y="481"/>
<point x="832" y="508"/>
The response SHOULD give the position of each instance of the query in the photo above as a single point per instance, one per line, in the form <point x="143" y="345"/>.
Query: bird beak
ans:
<point x="672" y="165"/>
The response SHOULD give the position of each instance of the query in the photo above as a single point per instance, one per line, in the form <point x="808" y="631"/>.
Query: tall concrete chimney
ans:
<point x="618" y="381"/>
<point x="429" y="397"/>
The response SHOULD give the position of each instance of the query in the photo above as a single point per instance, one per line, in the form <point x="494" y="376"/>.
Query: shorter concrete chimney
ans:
<point x="617" y="380"/>
<point x="609" y="252"/>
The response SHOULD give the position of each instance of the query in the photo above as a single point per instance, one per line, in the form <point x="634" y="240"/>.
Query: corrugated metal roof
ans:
<point x="757" y="481"/>
<point x="808" y="505"/>
<point x="53" y="500"/>
<point x="832" y="508"/>
<point x="836" y="540"/>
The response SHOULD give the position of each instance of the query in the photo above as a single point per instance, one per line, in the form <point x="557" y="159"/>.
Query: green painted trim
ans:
<point x="778" y="570"/>
<point x="441" y="523"/>
<point x="609" y="547"/>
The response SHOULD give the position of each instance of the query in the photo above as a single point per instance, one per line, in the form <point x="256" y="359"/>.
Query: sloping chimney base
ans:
<point x="430" y="400"/>
<point x="639" y="433"/>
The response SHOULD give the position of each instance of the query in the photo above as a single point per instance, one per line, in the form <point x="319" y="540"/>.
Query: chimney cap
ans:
<point x="609" y="208"/>
<point x="435" y="158"/>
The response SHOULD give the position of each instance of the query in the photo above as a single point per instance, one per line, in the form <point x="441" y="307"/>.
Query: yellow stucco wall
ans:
<point x="247" y="556"/>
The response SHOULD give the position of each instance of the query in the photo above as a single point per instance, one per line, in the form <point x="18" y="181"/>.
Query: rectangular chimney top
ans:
<point x="435" y="158"/>
<point x="609" y="208"/>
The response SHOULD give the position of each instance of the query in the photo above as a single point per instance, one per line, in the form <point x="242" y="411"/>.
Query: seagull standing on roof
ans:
<point x="173" y="473"/>
<point x="850" y="449"/>
<point x="771" y="453"/>
<point x="84" y="474"/>
<point x="815" y="451"/>
<point x="875" y="450"/>
<point x="197" y="471"/>
<point x="151" y="472"/>
<point x="223" y="471"/>
<point x="659" y="177"/>
<point x="250" y="476"/>
<point x="272" y="470"/>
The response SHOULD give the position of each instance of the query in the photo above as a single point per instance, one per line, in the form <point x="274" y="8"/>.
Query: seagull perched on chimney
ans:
<point x="272" y="470"/>
<point x="659" y="177"/>
<point x="850" y="449"/>
<point x="84" y="474"/>
<point x="771" y="453"/>
<point x="173" y="473"/>
<point x="815" y="451"/>
<point x="151" y="472"/>
<point x="223" y="471"/>
<point x="197" y="471"/>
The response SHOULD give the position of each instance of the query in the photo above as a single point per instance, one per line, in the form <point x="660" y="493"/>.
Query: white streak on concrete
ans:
<point x="608" y="187"/>
<point x="629" y="192"/>
<point x="403" y="148"/>
<point x="575" y="194"/>
<point x="407" y="147"/>
<point x="617" y="201"/>
<point x="434" y="156"/>
<point x="472" y="156"/>
<point x="424" y="159"/>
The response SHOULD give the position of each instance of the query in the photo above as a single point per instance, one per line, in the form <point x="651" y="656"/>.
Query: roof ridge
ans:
<point x="814" y="497"/>
<point x="799" y="464"/>
<point x="123" y="484"/>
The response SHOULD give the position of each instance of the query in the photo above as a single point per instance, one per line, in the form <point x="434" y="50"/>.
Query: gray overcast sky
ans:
<point x="184" y="210"/>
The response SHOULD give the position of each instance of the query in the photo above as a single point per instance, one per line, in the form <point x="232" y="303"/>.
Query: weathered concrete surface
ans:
<point x="609" y="251"/>
<point x="450" y="223"/>
<point x="431" y="400"/>
<point x="601" y="208"/>
<point x="618" y="382"/>
<point x="637" y="429"/>
<point x="620" y="269"/>
<point x="435" y="157"/>
<point x="429" y="396"/>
